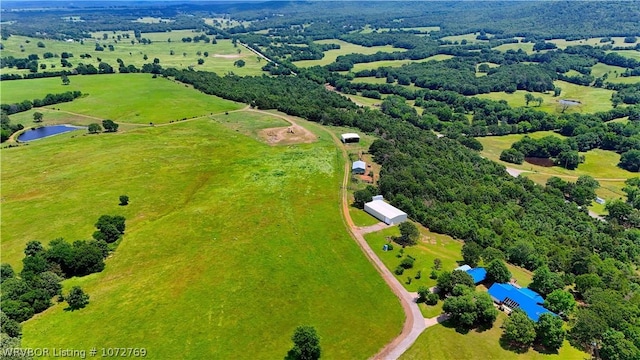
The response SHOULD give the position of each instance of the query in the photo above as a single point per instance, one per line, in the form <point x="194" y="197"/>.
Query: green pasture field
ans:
<point x="471" y="38"/>
<point x="249" y="123"/>
<point x="128" y="98"/>
<point x="600" y="164"/>
<point x="526" y="47"/>
<point x="591" y="99"/>
<point x="634" y="54"/>
<point x="563" y="44"/>
<point x="361" y="218"/>
<point x="152" y="20"/>
<point x="397" y="63"/>
<point x="613" y="72"/>
<point x="220" y="60"/>
<point x="436" y="343"/>
<point x="225" y="23"/>
<point x="230" y="243"/>
<point x="345" y="49"/>
<point x="423" y="29"/>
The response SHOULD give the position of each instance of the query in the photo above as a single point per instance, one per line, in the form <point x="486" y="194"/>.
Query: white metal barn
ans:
<point x="350" y="138"/>
<point x="385" y="212"/>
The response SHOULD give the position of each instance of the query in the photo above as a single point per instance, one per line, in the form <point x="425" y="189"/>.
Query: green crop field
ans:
<point x="436" y="343"/>
<point x="220" y="60"/>
<point x="129" y="98"/>
<point x="345" y="49"/>
<point x="230" y="243"/>
<point x="600" y="164"/>
<point x="591" y="99"/>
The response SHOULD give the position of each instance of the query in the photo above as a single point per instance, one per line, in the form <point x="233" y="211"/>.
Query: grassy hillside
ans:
<point x="131" y="98"/>
<point x="230" y="243"/>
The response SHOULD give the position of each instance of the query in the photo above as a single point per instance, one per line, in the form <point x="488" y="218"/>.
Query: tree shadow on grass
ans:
<point x="543" y="350"/>
<point x="507" y="345"/>
<point x="452" y="325"/>
<point x="483" y="327"/>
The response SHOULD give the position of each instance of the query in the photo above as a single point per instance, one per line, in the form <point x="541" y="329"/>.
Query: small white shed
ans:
<point x="350" y="138"/>
<point x="385" y="212"/>
<point x="359" y="167"/>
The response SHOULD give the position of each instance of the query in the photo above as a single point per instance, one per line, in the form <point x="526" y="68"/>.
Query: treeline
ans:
<point x="452" y="190"/>
<point x="7" y="128"/>
<point x="49" y="99"/>
<point x="44" y="268"/>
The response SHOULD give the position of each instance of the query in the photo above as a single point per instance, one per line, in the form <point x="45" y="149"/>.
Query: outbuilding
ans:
<point x="359" y="167"/>
<point x="350" y="138"/>
<point x="385" y="212"/>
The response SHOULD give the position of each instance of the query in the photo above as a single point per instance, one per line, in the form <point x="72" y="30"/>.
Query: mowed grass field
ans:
<point x="128" y="98"/>
<point x="431" y="246"/>
<point x="444" y="342"/>
<point x="592" y="99"/>
<point x="345" y="49"/>
<point x="230" y="243"/>
<point x="220" y="60"/>
<point x="600" y="164"/>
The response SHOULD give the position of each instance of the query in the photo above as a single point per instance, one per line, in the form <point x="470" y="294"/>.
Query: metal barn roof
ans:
<point x="359" y="165"/>
<point x="385" y="209"/>
<point x="523" y="300"/>
<point x="478" y="274"/>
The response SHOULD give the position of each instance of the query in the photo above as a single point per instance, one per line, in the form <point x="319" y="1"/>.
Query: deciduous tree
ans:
<point x="306" y="343"/>
<point x="519" y="330"/>
<point x="77" y="299"/>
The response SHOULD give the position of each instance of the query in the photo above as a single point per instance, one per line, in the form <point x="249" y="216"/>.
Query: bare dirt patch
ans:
<point x="293" y="134"/>
<point x="227" y="56"/>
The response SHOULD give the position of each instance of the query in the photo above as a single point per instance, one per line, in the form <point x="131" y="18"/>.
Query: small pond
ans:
<point x="570" y="102"/>
<point x="42" y="132"/>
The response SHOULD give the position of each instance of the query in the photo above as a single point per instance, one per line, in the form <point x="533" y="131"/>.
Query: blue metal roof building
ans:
<point x="514" y="298"/>
<point x="478" y="274"/>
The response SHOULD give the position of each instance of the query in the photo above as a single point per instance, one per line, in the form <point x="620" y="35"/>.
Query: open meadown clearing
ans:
<point x="230" y="243"/>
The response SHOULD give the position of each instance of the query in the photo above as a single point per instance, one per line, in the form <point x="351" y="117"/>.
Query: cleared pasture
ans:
<point x="397" y="63"/>
<point x="526" y="47"/>
<point x="599" y="164"/>
<point x="129" y="98"/>
<point x="185" y="54"/>
<point x="230" y="243"/>
<point x="345" y="49"/>
<point x="592" y="99"/>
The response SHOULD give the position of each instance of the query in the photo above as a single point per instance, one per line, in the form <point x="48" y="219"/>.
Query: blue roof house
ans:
<point x="514" y="298"/>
